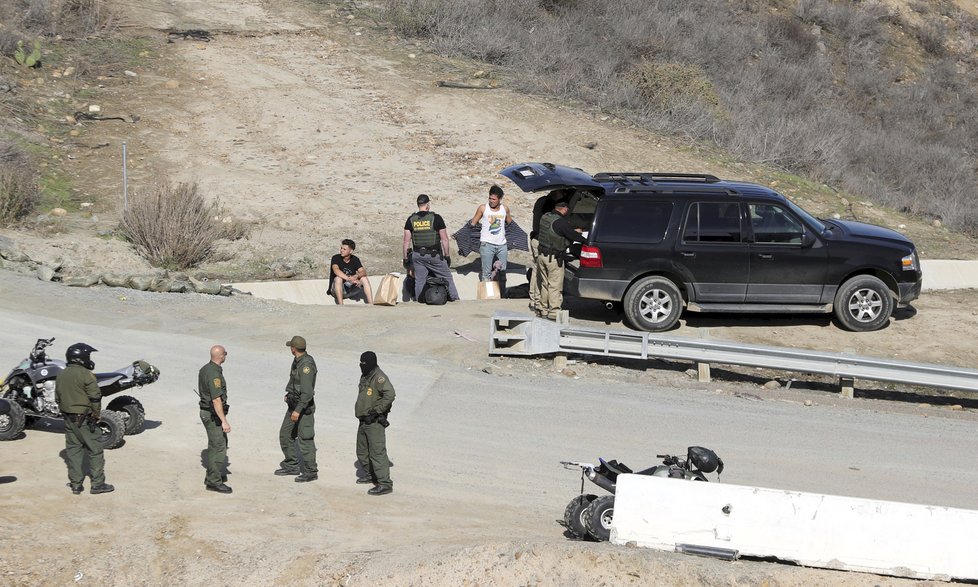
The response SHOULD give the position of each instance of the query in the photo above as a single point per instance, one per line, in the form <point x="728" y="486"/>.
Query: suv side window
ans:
<point x="634" y="221"/>
<point x="774" y="225"/>
<point x="713" y="222"/>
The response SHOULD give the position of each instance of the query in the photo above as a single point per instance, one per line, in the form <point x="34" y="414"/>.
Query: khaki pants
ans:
<point x="550" y="284"/>
<point x="534" y="289"/>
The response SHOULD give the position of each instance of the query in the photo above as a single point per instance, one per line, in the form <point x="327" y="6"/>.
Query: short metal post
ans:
<point x="848" y="385"/>
<point x="125" y="178"/>
<point x="703" y="369"/>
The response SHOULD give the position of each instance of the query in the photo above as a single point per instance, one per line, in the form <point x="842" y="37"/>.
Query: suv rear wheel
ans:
<point x="653" y="304"/>
<point x="863" y="303"/>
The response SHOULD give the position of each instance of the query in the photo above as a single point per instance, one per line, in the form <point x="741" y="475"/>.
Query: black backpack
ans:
<point x="435" y="292"/>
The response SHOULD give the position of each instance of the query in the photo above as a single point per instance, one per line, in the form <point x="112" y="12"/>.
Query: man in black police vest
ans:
<point x="426" y="248"/>
<point x="554" y="237"/>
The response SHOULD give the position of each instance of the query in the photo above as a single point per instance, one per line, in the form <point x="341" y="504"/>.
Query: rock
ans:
<point x="94" y="108"/>
<point x="772" y="385"/>
<point x="487" y="369"/>
<point x="116" y="280"/>
<point x="809" y="402"/>
<point x="140" y="282"/>
<point x="206" y="287"/>
<point x="631" y="544"/>
<point x="12" y="254"/>
<point x="171" y="84"/>
<point x="957" y="408"/>
<point x="44" y="273"/>
<point x="180" y="286"/>
<point x="226" y="290"/>
<point x="58" y="212"/>
<point x="590" y="145"/>
<point x="936" y="223"/>
<point x="691" y="373"/>
<point x="128" y="73"/>
<point x="68" y="71"/>
<point x="568" y="373"/>
<point x="160" y="284"/>
<point x="479" y="74"/>
<point x="81" y="280"/>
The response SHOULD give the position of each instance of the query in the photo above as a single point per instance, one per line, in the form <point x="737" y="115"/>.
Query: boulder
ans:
<point x="140" y="282"/>
<point x="44" y="273"/>
<point x="81" y="280"/>
<point x="116" y="280"/>
<point x="206" y="287"/>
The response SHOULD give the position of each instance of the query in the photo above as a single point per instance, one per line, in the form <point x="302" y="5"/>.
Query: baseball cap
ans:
<point x="561" y="204"/>
<point x="297" y="342"/>
<point x="423" y="199"/>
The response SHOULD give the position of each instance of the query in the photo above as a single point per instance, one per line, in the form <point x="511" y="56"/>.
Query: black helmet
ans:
<point x="80" y="354"/>
<point x="704" y="459"/>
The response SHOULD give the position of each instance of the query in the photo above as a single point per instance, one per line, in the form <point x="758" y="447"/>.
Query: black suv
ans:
<point x="657" y="242"/>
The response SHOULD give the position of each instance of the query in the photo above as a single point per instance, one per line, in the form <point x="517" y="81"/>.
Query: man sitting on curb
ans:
<point x="348" y="277"/>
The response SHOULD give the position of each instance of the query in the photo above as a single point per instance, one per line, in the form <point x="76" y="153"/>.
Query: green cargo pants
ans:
<point x="80" y="438"/>
<point x="303" y="431"/>
<point x="372" y="453"/>
<point x="217" y="448"/>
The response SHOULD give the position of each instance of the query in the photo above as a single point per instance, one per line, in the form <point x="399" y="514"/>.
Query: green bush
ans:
<point x="173" y="227"/>
<point x="19" y="192"/>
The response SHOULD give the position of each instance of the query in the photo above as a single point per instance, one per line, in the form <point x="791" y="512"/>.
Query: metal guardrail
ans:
<point x="519" y="334"/>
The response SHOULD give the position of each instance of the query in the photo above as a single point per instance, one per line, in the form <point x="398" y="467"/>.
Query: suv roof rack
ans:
<point x="652" y="178"/>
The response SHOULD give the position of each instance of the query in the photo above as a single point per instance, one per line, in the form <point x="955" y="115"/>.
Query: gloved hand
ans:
<point x="448" y="261"/>
<point x="407" y="263"/>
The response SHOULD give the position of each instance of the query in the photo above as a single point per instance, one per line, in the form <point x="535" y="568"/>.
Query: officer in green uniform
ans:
<point x="374" y="399"/>
<point x="299" y="422"/>
<point x="80" y="401"/>
<point x="213" y="414"/>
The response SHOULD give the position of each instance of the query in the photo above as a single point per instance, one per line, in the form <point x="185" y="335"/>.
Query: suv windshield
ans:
<point x="806" y="217"/>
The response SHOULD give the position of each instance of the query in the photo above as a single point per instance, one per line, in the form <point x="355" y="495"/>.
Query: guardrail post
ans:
<point x="848" y="385"/>
<point x="703" y="369"/>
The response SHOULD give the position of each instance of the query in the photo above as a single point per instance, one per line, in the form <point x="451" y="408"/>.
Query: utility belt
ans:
<point x="431" y="252"/>
<point x="77" y="418"/>
<point x="292" y="403"/>
<point x="209" y="407"/>
<point x="548" y="252"/>
<point x="376" y="418"/>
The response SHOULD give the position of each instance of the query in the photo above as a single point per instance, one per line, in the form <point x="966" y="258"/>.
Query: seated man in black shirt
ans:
<point x="348" y="277"/>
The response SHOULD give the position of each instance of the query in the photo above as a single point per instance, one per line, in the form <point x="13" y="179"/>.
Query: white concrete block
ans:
<point x="815" y="530"/>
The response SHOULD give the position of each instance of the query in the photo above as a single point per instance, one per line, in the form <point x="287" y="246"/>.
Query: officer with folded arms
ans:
<point x="374" y="399"/>
<point x="299" y="422"/>
<point x="80" y="401"/>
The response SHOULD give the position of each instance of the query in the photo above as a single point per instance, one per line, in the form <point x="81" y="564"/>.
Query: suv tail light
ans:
<point x="591" y="257"/>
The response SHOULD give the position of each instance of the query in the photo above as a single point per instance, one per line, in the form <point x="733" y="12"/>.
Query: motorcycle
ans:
<point x="29" y="390"/>
<point x="589" y="516"/>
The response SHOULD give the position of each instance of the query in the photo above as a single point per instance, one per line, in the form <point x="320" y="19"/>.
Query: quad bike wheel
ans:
<point x="574" y="515"/>
<point x="12" y="423"/>
<point x="598" y="516"/>
<point x="132" y="412"/>
<point x="113" y="429"/>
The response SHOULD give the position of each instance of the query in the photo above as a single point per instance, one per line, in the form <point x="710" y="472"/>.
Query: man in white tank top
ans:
<point x="494" y="217"/>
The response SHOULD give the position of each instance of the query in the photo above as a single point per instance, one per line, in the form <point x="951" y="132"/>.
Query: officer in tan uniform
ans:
<point x="299" y="423"/>
<point x="80" y="401"/>
<point x="374" y="399"/>
<point x="213" y="414"/>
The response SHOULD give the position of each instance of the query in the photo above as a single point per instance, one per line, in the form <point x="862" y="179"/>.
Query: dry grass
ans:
<point x="815" y="87"/>
<point x="173" y="227"/>
<point x="19" y="193"/>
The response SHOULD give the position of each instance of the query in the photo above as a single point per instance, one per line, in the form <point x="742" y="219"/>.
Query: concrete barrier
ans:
<point x="313" y="291"/>
<point x="815" y="530"/>
<point x="949" y="274"/>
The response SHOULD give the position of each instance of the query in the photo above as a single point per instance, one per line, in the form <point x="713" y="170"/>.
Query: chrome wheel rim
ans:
<point x="655" y="306"/>
<point x="865" y="305"/>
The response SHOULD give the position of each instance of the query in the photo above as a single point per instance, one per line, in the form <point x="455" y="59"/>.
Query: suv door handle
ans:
<point x="765" y="255"/>
<point x="687" y="254"/>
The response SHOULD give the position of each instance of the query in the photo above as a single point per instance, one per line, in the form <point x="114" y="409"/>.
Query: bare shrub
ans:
<point x="69" y="18"/>
<point x="172" y="227"/>
<point x="19" y="192"/>
<point x="812" y="86"/>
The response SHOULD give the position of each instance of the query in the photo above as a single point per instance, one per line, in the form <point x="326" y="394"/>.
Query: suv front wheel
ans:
<point x="653" y="304"/>
<point x="863" y="304"/>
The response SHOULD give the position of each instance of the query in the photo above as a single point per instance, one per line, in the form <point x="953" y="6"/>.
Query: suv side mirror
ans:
<point x="807" y="240"/>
